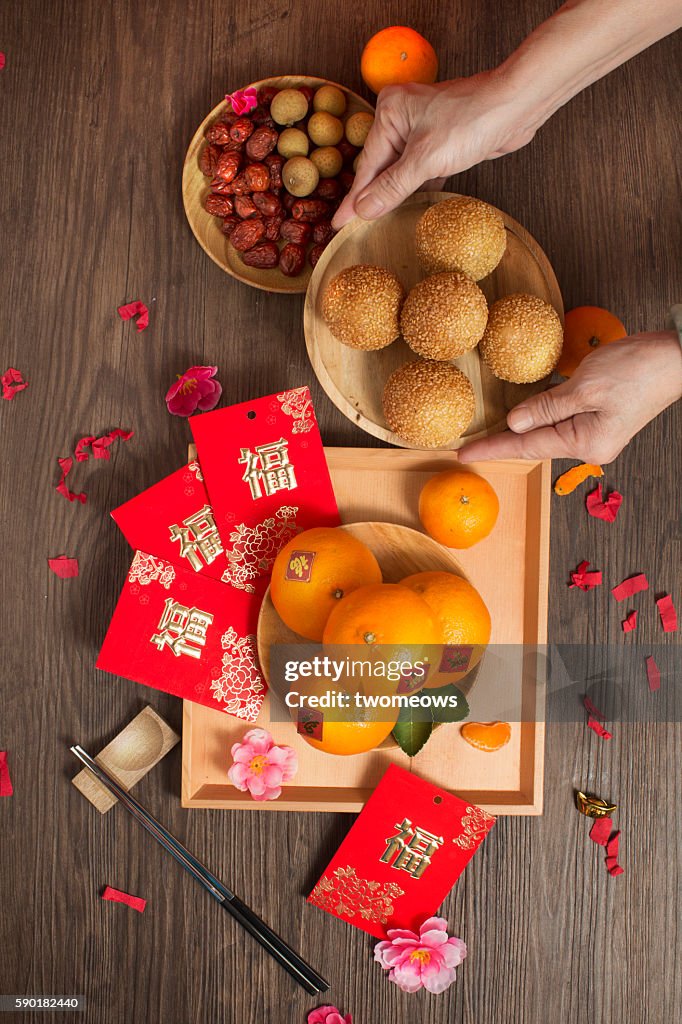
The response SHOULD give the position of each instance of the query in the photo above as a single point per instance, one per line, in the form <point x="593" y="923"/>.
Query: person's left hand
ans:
<point x="614" y="392"/>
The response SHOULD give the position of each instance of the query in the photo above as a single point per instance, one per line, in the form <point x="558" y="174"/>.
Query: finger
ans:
<point x="555" y="442"/>
<point x="383" y="147"/>
<point x="391" y="187"/>
<point x="548" y="407"/>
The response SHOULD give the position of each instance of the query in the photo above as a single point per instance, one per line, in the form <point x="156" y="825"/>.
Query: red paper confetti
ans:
<point x="601" y="830"/>
<point x="583" y="579"/>
<point x="597" y="727"/>
<point x="116" y="896"/>
<point x="65" y="465"/>
<point x="612" y="865"/>
<point x="2" y="60"/>
<point x="137" y="309"/>
<point x="589" y="706"/>
<point x="630" y="622"/>
<point x="99" y="445"/>
<point x="631" y="586"/>
<point x="653" y="674"/>
<point x="63" y="567"/>
<point x="600" y="509"/>
<point x="666" y="609"/>
<point x="12" y="383"/>
<point x="6" y="788"/>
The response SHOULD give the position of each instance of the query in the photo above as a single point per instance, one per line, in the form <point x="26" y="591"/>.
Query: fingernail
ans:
<point x="368" y="206"/>
<point x="520" y="419"/>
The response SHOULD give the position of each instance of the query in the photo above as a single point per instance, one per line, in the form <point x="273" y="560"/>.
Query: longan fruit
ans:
<point x="288" y="106"/>
<point x="293" y="142"/>
<point x="324" y="129"/>
<point x="300" y="176"/>
<point x="330" y="99"/>
<point x="328" y="161"/>
<point x="357" y="128"/>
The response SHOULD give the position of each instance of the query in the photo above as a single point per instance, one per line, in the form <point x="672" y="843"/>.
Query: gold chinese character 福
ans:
<point x="268" y="468"/>
<point x="411" y="849"/>
<point x="198" y="538"/>
<point x="182" y="629"/>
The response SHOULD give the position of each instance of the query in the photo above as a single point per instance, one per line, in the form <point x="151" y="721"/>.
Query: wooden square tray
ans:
<point x="509" y="568"/>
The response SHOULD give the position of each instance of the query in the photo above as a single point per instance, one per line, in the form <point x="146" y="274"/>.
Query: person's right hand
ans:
<point x="423" y="133"/>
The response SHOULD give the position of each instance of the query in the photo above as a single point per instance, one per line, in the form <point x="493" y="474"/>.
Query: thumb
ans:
<point x="547" y="408"/>
<point x="389" y="189"/>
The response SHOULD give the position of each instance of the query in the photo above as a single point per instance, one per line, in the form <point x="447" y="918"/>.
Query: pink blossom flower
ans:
<point x="427" y="960"/>
<point x="242" y="100"/>
<point x="194" y="390"/>
<point x="261" y="767"/>
<point x="328" y="1015"/>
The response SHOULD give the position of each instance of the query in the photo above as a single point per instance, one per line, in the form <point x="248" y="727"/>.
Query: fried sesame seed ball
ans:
<point x="361" y="306"/>
<point x="523" y="339"/>
<point x="461" y="233"/>
<point x="428" y="403"/>
<point x="444" y="316"/>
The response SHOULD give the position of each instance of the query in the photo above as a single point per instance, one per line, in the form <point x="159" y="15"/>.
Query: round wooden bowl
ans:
<point x="195" y="188"/>
<point x="400" y="551"/>
<point x="355" y="380"/>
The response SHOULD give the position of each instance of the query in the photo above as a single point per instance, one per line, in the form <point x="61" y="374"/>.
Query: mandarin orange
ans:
<point x="385" y="614"/>
<point x="458" y="508"/>
<point x="314" y="572"/>
<point x="397" y="55"/>
<point x="365" y="731"/>
<point x="585" y="329"/>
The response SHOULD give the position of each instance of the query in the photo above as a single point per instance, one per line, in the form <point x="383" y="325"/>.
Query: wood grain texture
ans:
<point x="354" y="380"/>
<point x="98" y="104"/>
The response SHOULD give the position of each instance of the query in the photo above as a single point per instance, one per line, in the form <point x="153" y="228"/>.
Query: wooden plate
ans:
<point x="355" y="380"/>
<point x="399" y="551"/>
<point x="195" y="187"/>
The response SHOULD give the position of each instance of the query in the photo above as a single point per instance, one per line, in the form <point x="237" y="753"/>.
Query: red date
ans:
<point x="328" y="188"/>
<point x="315" y="253"/>
<point x="258" y="177"/>
<point x="218" y="134"/>
<point x="292" y="259"/>
<point x="267" y="94"/>
<point x="229" y="224"/>
<point x="241" y="129"/>
<point x="275" y="163"/>
<point x="208" y="159"/>
<point x="273" y="226"/>
<point x="261" y="116"/>
<point x="310" y="210"/>
<point x="307" y="92"/>
<point x="296" y="231"/>
<point x="228" y="118"/>
<point x="247" y="234"/>
<point x="244" y="207"/>
<point x="261" y="143"/>
<point x="323" y="232"/>
<point x="264" y="256"/>
<point x="228" y="166"/>
<point x="346" y="179"/>
<point x="219" y="206"/>
<point x="267" y="204"/>
<point x="240" y="186"/>
<point x="224" y="188"/>
<point x="288" y="201"/>
<point x="347" y="151"/>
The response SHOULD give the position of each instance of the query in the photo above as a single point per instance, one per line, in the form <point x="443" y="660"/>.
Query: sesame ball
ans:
<point x="428" y="403"/>
<point x="523" y="339"/>
<point x="444" y="316"/>
<point x="461" y="233"/>
<point x="361" y="306"/>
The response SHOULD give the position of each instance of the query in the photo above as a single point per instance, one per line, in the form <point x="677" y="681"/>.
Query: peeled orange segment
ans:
<point x="573" y="477"/>
<point x="488" y="736"/>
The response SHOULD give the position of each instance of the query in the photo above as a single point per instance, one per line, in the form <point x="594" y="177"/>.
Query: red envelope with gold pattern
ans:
<point x="188" y="635"/>
<point x="267" y="478"/>
<point x="174" y="520"/>
<point x="402" y="856"/>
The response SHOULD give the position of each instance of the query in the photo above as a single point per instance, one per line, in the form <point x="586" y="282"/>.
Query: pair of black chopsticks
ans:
<point x="299" y="970"/>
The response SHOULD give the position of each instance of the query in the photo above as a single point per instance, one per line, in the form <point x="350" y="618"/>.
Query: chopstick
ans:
<point x="299" y="970"/>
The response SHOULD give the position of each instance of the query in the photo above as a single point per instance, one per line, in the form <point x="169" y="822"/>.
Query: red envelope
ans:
<point x="402" y="856"/>
<point x="188" y="635"/>
<point x="174" y="520"/>
<point x="267" y="477"/>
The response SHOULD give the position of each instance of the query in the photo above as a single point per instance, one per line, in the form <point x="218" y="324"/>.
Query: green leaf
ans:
<point x="450" y="714"/>
<point x="411" y="735"/>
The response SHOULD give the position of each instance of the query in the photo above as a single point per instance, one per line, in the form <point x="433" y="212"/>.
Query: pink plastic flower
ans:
<point x="261" y="767"/>
<point x="242" y="100"/>
<point x="328" y="1015"/>
<point x="194" y="390"/>
<point x="427" y="960"/>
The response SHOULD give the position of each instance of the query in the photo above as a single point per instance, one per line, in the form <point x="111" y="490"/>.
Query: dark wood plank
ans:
<point x="97" y="104"/>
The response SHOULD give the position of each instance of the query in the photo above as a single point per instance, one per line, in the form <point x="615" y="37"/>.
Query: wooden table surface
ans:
<point x="97" y="104"/>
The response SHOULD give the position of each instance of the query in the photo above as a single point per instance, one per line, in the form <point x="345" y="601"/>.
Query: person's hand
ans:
<point x="424" y="133"/>
<point x="614" y="392"/>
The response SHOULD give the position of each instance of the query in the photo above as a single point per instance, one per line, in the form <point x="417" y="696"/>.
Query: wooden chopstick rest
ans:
<point x="129" y="756"/>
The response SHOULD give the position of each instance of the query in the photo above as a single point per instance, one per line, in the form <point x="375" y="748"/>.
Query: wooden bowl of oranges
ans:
<point x="372" y="590"/>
